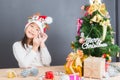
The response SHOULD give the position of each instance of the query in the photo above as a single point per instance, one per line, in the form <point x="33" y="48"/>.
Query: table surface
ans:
<point x="42" y="70"/>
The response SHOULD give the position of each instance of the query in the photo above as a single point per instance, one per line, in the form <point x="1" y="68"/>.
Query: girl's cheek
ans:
<point x="36" y="34"/>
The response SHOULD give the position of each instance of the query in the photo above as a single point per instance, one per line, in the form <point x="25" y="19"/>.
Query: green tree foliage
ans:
<point x="95" y="24"/>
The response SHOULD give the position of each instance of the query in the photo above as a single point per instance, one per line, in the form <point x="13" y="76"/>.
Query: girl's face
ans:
<point x="32" y="31"/>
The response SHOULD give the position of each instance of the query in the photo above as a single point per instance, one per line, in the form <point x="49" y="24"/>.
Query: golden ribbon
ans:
<point x="100" y="7"/>
<point x="79" y="55"/>
<point x="105" y="24"/>
<point x="70" y="60"/>
<point x="74" y="57"/>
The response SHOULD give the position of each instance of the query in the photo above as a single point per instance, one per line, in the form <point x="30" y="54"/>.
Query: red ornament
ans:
<point x="104" y="55"/>
<point x="49" y="75"/>
<point x="87" y="8"/>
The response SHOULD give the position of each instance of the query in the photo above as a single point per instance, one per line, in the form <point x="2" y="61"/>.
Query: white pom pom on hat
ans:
<point x="41" y="21"/>
<point x="48" y="20"/>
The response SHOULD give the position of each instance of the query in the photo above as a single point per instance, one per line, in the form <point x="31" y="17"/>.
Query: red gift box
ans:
<point x="49" y="75"/>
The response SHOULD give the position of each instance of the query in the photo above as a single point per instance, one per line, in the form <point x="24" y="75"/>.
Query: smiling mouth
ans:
<point x="31" y="33"/>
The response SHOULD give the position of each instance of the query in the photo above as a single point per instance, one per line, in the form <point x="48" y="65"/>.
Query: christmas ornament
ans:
<point x="11" y="74"/>
<point x="32" y="71"/>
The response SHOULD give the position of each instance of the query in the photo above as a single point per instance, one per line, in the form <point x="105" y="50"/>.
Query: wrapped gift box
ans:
<point x="74" y="64"/>
<point x="74" y="77"/>
<point x="94" y="67"/>
<point x="49" y="75"/>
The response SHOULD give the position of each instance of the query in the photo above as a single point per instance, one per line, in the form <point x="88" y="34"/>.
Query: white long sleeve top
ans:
<point x="29" y="58"/>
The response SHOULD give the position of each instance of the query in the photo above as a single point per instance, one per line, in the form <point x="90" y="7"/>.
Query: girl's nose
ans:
<point x="32" y="30"/>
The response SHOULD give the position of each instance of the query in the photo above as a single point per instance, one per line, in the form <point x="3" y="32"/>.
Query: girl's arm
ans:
<point x="23" y="57"/>
<point x="45" y="56"/>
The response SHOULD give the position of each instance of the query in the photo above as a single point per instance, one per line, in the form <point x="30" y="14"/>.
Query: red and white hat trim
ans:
<point x="41" y="21"/>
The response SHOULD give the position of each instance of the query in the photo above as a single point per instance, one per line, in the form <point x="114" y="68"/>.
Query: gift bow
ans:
<point x="100" y="7"/>
<point x="74" y="57"/>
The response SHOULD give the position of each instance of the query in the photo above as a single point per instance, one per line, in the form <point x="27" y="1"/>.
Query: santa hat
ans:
<point x="41" y="21"/>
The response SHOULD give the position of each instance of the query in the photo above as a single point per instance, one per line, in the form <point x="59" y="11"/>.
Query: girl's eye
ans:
<point x="37" y="29"/>
<point x="32" y="26"/>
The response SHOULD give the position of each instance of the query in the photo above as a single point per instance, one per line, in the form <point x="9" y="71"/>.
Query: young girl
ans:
<point x="31" y="51"/>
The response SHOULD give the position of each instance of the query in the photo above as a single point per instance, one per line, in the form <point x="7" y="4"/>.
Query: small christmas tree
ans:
<point x="94" y="31"/>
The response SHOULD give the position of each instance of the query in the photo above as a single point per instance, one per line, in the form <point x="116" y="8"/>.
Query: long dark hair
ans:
<point x="24" y="41"/>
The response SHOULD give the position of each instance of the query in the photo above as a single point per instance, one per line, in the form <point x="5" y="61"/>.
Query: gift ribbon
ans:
<point x="100" y="7"/>
<point x="105" y="24"/>
<point x="79" y="55"/>
<point x="74" y="57"/>
<point x="70" y="60"/>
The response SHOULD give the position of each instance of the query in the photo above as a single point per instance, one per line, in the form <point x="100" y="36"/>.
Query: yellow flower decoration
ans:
<point x="100" y="7"/>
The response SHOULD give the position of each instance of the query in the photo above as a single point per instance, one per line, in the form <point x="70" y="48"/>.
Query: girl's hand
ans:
<point x="39" y="40"/>
<point x="36" y="42"/>
<point x="44" y="37"/>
